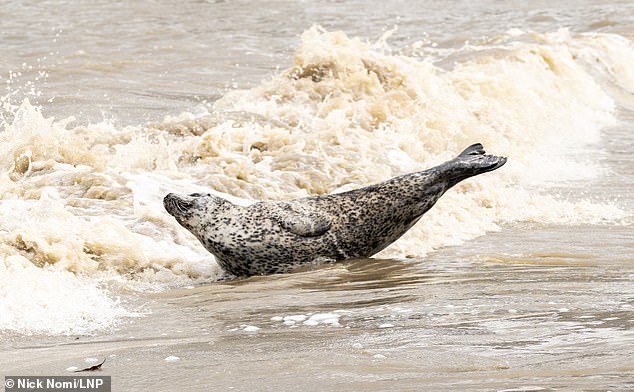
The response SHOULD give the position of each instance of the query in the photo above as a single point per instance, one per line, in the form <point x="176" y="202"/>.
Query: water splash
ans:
<point x="81" y="205"/>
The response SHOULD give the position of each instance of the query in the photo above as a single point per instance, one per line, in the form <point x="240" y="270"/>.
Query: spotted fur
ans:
<point x="280" y="236"/>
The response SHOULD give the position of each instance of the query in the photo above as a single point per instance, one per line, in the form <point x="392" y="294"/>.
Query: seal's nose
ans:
<point x="170" y="203"/>
<point x="169" y="197"/>
<point x="167" y="202"/>
<point x="177" y="204"/>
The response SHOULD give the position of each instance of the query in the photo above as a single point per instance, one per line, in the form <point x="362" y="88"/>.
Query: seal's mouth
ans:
<point x="176" y="205"/>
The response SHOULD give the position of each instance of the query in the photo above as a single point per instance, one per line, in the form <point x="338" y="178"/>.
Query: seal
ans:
<point x="280" y="236"/>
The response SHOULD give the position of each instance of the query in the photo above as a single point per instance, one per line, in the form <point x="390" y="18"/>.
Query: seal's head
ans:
<point x="192" y="210"/>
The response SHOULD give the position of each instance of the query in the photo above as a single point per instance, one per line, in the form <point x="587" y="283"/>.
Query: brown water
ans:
<point x="520" y="280"/>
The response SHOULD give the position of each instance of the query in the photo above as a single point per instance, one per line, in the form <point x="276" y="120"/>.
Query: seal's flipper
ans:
<point x="474" y="149"/>
<point x="301" y="221"/>
<point x="471" y="162"/>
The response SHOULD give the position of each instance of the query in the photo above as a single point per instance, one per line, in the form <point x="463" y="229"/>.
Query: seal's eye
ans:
<point x="199" y="194"/>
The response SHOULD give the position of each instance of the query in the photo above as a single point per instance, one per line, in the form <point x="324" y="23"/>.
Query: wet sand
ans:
<point x="462" y="319"/>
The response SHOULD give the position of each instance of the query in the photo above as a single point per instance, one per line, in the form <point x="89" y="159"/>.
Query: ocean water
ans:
<point x="520" y="279"/>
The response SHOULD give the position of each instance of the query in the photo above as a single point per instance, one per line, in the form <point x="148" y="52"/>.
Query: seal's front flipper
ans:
<point x="300" y="221"/>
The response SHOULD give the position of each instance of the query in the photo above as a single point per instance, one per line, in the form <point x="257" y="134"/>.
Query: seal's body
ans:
<point x="277" y="237"/>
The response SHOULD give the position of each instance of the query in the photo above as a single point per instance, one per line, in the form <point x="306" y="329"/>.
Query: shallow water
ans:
<point x="519" y="279"/>
<point x="461" y="319"/>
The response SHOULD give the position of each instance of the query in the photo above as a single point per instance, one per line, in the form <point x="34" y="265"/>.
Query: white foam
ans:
<point x="310" y="320"/>
<point x="58" y="301"/>
<point x="324" y="318"/>
<point x="296" y="317"/>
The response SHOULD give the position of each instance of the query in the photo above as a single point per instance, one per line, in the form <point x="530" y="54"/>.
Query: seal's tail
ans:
<point x="473" y="161"/>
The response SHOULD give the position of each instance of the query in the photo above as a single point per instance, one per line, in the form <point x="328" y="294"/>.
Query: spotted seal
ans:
<point x="279" y="236"/>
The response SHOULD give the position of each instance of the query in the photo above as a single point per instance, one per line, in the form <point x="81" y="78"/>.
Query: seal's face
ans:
<point x="191" y="210"/>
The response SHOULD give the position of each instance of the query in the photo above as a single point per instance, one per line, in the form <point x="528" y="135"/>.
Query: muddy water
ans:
<point x="519" y="280"/>
<point x="463" y="319"/>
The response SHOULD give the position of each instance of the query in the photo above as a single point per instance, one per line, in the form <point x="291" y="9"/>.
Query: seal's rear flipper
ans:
<point x="473" y="161"/>
<point x="474" y="149"/>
